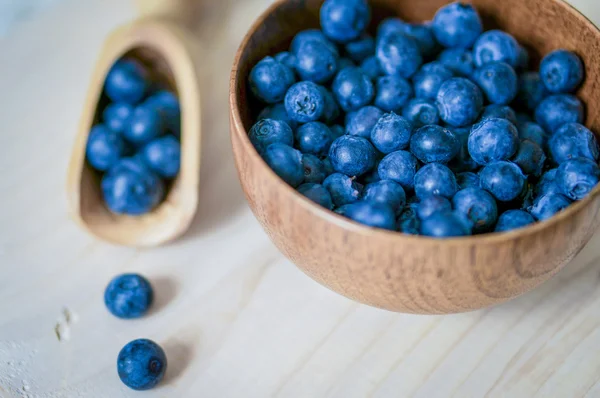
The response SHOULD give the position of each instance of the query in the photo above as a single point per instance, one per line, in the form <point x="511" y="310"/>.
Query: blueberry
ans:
<point x="127" y="81"/>
<point x="431" y="205"/>
<point x="286" y="162"/>
<point x="317" y="193"/>
<point x="331" y="110"/>
<point x="458" y="60"/>
<point x="457" y="25"/>
<point x="361" y="49"/>
<point x="548" y="205"/>
<point x="316" y="62"/>
<point x="523" y="117"/>
<point x="498" y="81"/>
<point x="386" y="192"/>
<point x="304" y="102"/>
<point x="163" y="156"/>
<point x="390" y="25"/>
<point x="496" y="46"/>
<point x="399" y="166"/>
<point x="547" y="184"/>
<point x="327" y="166"/>
<point x="533" y="132"/>
<point x="393" y="92"/>
<point x="421" y="112"/>
<point x="561" y="71"/>
<point x="361" y="122"/>
<point x="559" y="109"/>
<point x="343" y="189"/>
<point x="269" y="131"/>
<point x="459" y="101"/>
<point x="435" y="179"/>
<point x="352" y="89"/>
<point x="462" y="161"/>
<point x="571" y="141"/>
<point x="116" y="116"/>
<point x="493" y="139"/>
<point x="337" y="130"/>
<point x="371" y="68"/>
<point x="141" y="364"/>
<point x="428" y="80"/>
<point x="371" y="214"/>
<point x="130" y="187"/>
<point x="391" y="133"/>
<point x="530" y="158"/>
<point x="286" y="58"/>
<point x="270" y="80"/>
<point x="523" y="59"/>
<point x="531" y="90"/>
<point x="398" y="55"/>
<point x="314" y="169"/>
<point x="444" y="225"/>
<point x="423" y="34"/>
<point x="478" y="206"/>
<point x="576" y="178"/>
<point x="308" y="36"/>
<point x="277" y="112"/>
<point x="345" y="63"/>
<point x="467" y="179"/>
<point x="409" y="222"/>
<point x="370" y="176"/>
<point x="145" y="124"/>
<point x="128" y="296"/>
<point x="104" y="147"/>
<point x="504" y="180"/>
<point x="352" y="155"/>
<point x="314" y="138"/>
<point x="501" y="112"/>
<point x="344" y="20"/>
<point x="434" y="144"/>
<point x="168" y="104"/>
<point x="513" y="219"/>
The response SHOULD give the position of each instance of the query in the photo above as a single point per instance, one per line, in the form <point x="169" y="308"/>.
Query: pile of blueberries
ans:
<point x="436" y="129"/>
<point x="136" y="146"/>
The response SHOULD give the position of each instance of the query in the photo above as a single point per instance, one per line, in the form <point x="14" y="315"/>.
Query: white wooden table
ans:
<point x="235" y="318"/>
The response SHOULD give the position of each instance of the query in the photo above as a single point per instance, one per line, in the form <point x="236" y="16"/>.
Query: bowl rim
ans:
<point x="239" y="131"/>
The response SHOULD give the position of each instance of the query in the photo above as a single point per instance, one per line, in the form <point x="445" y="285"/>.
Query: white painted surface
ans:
<point x="236" y="318"/>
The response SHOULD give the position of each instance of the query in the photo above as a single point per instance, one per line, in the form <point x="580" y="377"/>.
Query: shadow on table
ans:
<point x="165" y="290"/>
<point x="179" y="356"/>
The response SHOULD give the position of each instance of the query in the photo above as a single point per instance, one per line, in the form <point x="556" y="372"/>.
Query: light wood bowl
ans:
<point x="165" y="48"/>
<point x="407" y="273"/>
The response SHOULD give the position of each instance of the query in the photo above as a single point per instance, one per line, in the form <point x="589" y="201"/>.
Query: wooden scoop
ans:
<point x="160" y="41"/>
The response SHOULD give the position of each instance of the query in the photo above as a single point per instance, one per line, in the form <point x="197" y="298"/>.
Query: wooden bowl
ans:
<point x="409" y="273"/>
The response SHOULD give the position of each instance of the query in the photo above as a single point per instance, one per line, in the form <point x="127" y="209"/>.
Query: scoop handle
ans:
<point x="180" y="11"/>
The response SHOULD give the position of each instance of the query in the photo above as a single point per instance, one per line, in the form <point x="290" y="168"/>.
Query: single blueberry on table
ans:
<point x="370" y="67"/>
<point x="530" y="158"/>
<point x="546" y="206"/>
<point x="130" y="187"/>
<point x="496" y="46"/>
<point x="445" y="225"/>
<point x="316" y="62"/>
<point x="168" y="104"/>
<point x="421" y="112"/>
<point x="314" y="169"/>
<point x="362" y="121"/>
<point x="504" y="180"/>
<point x="141" y="364"/>
<point x="361" y="49"/>
<point x="287" y="58"/>
<point x="458" y="60"/>
<point x="533" y="132"/>
<point x="391" y="133"/>
<point x="352" y="89"/>
<point x="127" y="81"/>
<point x="501" y="112"/>
<point x="145" y="124"/>
<point x="317" y="193"/>
<point x="561" y="71"/>
<point x="393" y="92"/>
<point x="571" y="141"/>
<point x="434" y="144"/>
<point x="576" y="178"/>
<point x="311" y="35"/>
<point x="128" y="296"/>
<point x="457" y="25"/>
<point x="116" y="116"/>
<point x="270" y="80"/>
<point x="304" y="102"/>
<point x="344" y="20"/>
<point x="547" y="184"/>
<point x="314" y="138"/>
<point x="399" y="166"/>
<point x="428" y="80"/>
<point x="431" y="205"/>
<point x="531" y="90"/>
<point x="493" y="139"/>
<point x="163" y="156"/>
<point x="459" y="102"/>
<point x="513" y="219"/>
<point x="556" y="110"/>
<point x="385" y="192"/>
<point x="435" y="179"/>
<point x="269" y="131"/>
<point x="286" y="162"/>
<point x="104" y="148"/>
<point x="467" y="179"/>
<point x="343" y="189"/>
<point x="478" y="206"/>
<point x="498" y="81"/>
<point x="398" y="55"/>
<point x="277" y="112"/>
<point x="352" y="155"/>
<point x="371" y="214"/>
<point x="409" y="222"/>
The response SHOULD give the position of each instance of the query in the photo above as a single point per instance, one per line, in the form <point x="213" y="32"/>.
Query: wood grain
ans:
<point x="391" y="270"/>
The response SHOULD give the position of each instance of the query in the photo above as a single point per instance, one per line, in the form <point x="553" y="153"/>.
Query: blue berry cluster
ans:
<point x="136" y="146"/>
<point x="435" y="128"/>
